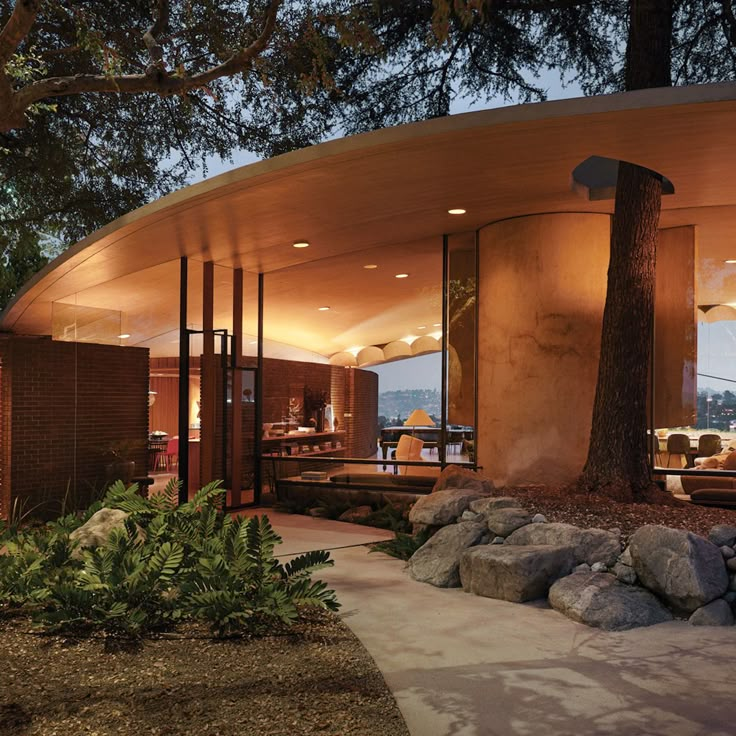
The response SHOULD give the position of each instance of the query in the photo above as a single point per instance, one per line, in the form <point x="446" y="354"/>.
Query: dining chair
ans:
<point x="408" y="448"/>
<point x="171" y="456"/>
<point x="709" y="444"/>
<point x="678" y="445"/>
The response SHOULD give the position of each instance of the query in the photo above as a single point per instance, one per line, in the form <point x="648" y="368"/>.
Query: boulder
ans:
<point x="624" y="573"/>
<point x="539" y="519"/>
<point x="453" y="476"/>
<point x="683" y="569"/>
<point x="591" y="545"/>
<point x="442" y="507"/>
<point x="515" y="574"/>
<point x="97" y="529"/>
<point x="469" y="515"/>
<point x="599" y="567"/>
<point x="357" y="513"/>
<point x="486" y="505"/>
<point x="727" y="552"/>
<point x="599" y="599"/>
<point x="731" y="564"/>
<point x="437" y="562"/>
<point x="715" y="613"/>
<point x="723" y="534"/>
<point x="503" y="522"/>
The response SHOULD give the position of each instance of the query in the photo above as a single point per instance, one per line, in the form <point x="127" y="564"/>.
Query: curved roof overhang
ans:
<point x="394" y="186"/>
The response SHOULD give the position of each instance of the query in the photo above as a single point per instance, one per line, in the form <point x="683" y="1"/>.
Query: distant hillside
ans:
<point x="395" y="405"/>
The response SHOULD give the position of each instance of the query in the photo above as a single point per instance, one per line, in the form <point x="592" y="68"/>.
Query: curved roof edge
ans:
<point x="579" y="106"/>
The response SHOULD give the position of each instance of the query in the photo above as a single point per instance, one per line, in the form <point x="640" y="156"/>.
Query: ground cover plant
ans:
<point x="166" y="565"/>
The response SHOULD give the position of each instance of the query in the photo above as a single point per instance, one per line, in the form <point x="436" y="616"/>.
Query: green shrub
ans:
<point x="402" y="545"/>
<point x="168" y="564"/>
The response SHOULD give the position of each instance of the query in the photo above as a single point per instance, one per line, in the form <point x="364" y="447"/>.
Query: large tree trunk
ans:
<point x="617" y="457"/>
<point x="617" y="463"/>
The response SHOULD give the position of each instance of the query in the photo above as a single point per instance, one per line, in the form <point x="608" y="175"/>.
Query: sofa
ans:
<point x="712" y="490"/>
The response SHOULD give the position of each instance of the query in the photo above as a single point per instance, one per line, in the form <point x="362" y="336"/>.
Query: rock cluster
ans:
<point x="492" y="546"/>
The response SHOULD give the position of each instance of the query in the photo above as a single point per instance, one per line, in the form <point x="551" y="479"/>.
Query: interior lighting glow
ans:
<point x="402" y="275"/>
<point x="301" y="244"/>
<point x="437" y="324"/>
<point x="124" y="336"/>
<point x="354" y="350"/>
<point x="370" y="266"/>
<point x="730" y="260"/>
<point x="457" y="211"/>
<point x="323" y="309"/>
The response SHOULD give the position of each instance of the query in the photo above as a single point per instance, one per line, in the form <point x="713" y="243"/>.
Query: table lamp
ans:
<point x="418" y="418"/>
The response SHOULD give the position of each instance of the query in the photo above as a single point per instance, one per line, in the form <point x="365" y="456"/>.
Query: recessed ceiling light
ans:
<point x="322" y="309"/>
<point x="437" y="324"/>
<point x="402" y="275"/>
<point x="457" y="211"/>
<point x="730" y="260"/>
<point x="301" y="244"/>
<point x="124" y="336"/>
<point x="252" y="342"/>
<point x="370" y="265"/>
<point x="422" y="327"/>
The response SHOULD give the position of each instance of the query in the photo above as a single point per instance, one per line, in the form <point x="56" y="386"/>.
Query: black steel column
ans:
<point x="258" y="430"/>
<point x="183" y="383"/>
<point x="476" y="343"/>
<point x="445" y="322"/>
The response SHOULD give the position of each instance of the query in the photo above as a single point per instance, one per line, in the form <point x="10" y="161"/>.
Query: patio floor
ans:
<point x="461" y="665"/>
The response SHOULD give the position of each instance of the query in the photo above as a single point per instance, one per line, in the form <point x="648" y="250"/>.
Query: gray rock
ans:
<point x="498" y="540"/>
<point x="730" y="597"/>
<point x="732" y="583"/>
<point x="357" y="513"/>
<point x="513" y="573"/>
<point x="504" y="521"/>
<point x="539" y="519"/>
<point x="442" y="507"/>
<point x="625" y="558"/>
<point x="723" y="534"/>
<point x="319" y="512"/>
<point x="453" y="476"/>
<point x="624" y="573"/>
<point x="600" y="600"/>
<point x="715" y="613"/>
<point x="683" y="569"/>
<point x="582" y="567"/>
<point x="486" y="505"/>
<point x="437" y="562"/>
<point x="591" y="545"/>
<point x="97" y="529"/>
<point x="599" y="567"/>
<point x="469" y="515"/>
<point x="727" y="552"/>
<point x="731" y="564"/>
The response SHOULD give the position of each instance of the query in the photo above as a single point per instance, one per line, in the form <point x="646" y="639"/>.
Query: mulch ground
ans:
<point x="317" y="679"/>
<point x="599" y="512"/>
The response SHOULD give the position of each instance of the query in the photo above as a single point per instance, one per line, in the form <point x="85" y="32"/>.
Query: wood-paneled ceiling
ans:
<point x="382" y="198"/>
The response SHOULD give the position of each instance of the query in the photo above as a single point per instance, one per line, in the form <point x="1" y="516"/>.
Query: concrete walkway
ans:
<point x="461" y="665"/>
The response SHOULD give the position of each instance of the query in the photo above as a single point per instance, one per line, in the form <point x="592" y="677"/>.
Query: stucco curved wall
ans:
<point x="542" y="290"/>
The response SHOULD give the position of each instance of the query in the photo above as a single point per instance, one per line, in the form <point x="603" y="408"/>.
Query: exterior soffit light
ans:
<point x="301" y="244"/>
<point x="124" y="336"/>
<point x="370" y="266"/>
<point x="730" y="260"/>
<point x="323" y="309"/>
<point x="457" y="211"/>
<point x="402" y="275"/>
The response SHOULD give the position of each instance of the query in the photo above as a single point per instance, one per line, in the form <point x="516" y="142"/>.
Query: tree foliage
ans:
<point x="106" y="106"/>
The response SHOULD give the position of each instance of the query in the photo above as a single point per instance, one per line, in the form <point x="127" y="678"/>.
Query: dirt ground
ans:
<point x="316" y="679"/>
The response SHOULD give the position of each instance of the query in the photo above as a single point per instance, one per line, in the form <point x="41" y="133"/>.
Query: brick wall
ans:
<point x="64" y="405"/>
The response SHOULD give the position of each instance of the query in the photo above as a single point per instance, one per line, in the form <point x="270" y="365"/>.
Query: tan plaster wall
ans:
<point x="542" y="291"/>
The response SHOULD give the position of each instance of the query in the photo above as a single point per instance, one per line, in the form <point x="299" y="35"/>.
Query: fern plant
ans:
<point x="166" y="564"/>
<point x="403" y="545"/>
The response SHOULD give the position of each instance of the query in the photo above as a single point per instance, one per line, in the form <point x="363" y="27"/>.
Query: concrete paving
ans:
<point x="461" y="665"/>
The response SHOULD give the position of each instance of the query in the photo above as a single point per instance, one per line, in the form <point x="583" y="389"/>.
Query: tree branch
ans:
<point x="12" y="115"/>
<point x="150" y="38"/>
<point x="16" y="29"/>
